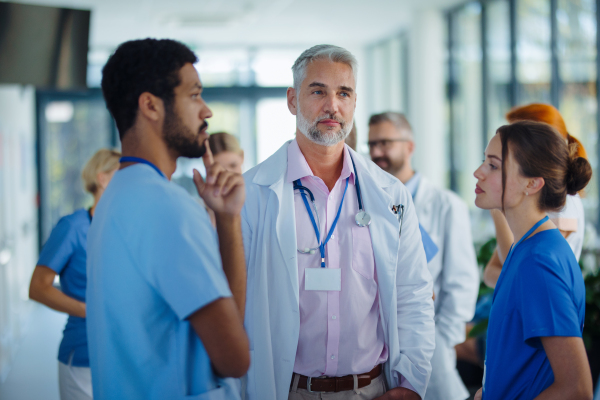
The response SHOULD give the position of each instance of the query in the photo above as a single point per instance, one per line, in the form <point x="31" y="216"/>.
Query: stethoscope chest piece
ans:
<point x="362" y="218"/>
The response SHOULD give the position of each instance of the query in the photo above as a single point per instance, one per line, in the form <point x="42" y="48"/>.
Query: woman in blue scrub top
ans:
<point x="534" y="348"/>
<point x="65" y="254"/>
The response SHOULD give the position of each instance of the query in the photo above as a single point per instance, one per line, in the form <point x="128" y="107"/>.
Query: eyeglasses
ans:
<point x="384" y="143"/>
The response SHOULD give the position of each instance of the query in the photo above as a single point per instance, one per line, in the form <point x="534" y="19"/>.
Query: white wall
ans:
<point x="413" y="82"/>
<point x="361" y="114"/>
<point x="427" y="95"/>
<point x="18" y="216"/>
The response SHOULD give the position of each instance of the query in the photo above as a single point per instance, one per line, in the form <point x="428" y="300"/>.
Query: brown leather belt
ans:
<point x="338" y="384"/>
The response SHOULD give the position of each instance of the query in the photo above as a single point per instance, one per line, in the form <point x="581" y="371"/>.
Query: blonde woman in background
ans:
<point x="64" y="254"/>
<point x="227" y="151"/>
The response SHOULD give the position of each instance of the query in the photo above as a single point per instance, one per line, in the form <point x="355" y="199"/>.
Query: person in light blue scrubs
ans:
<point x="166" y="293"/>
<point x="534" y="344"/>
<point x="64" y="254"/>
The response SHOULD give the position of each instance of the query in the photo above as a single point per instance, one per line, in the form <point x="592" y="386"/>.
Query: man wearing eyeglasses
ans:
<point x="454" y="270"/>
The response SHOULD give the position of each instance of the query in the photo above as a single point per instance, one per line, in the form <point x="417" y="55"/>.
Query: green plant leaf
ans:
<point x="479" y="329"/>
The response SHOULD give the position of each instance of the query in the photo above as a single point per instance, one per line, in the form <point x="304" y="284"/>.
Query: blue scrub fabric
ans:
<point x="153" y="261"/>
<point x="65" y="253"/>
<point x="540" y="293"/>
<point x="429" y="245"/>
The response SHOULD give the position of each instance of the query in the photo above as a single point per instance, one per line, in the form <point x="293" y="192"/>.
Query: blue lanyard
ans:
<point x="142" y="161"/>
<point x="298" y="183"/>
<point x="529" y="232"/>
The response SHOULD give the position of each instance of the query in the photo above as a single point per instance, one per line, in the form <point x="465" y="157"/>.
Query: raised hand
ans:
<point x="223" y="191"/>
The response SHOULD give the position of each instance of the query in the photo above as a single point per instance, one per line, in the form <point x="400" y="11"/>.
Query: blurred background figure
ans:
<point x="445" y="217"/>
<point x="64" y="254"/>
<point x="227" y="151"/>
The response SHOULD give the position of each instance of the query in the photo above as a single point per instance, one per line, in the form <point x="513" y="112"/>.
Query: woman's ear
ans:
<point x="535" y="185"/>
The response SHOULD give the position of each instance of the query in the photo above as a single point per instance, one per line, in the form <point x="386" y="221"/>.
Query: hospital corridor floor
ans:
<point x="34" y="371"/>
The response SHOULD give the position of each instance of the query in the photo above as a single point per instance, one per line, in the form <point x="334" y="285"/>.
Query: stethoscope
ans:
<point x="362" y="218"/>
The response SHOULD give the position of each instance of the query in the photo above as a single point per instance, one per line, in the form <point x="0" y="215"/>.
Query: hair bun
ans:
<point x="579" y="173"/>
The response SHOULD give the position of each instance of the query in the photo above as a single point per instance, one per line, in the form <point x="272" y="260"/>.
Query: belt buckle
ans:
<point x="308" y="383"/>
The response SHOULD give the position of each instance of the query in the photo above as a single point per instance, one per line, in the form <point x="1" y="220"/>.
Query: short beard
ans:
<point x="179" y="137"/>
<point x="393" y="166"/>
<point x="312" y="132"/>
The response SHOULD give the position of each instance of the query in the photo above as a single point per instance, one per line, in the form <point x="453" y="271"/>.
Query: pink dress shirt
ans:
<point x="340" y="331"/>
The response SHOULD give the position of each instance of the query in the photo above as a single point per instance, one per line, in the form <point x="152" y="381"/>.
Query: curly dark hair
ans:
<point x="139" y="66"/>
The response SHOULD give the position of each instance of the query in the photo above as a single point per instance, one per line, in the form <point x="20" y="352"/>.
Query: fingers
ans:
<point x="221" y="181"/>
<point x="208" y="156"/>
<point x="213" y="172"/>
<point x="234" y="181"/>
<point x="225" y="181"/>
<point x="198" y="181"/>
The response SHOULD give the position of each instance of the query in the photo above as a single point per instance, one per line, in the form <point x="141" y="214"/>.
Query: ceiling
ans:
<point x="247" y="23"/>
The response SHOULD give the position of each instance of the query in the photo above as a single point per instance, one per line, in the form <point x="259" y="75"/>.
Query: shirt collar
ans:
<point x="413" y="184"/>
<point x="298" y="168"/>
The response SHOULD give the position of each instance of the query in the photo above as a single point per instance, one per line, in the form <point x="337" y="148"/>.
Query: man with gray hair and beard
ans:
<point x="339" y="295"/>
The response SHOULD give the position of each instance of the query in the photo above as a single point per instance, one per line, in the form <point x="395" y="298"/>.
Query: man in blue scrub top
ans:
<point x="163" y="306"/>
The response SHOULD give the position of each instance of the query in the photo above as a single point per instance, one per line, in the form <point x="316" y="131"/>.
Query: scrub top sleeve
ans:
<point x="546" y="305"/>
<point x="185" y="267"/>
<point x="59" y="247"/>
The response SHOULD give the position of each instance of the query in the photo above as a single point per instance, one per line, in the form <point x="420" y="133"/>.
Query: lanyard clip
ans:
<point x="399" y="211"/>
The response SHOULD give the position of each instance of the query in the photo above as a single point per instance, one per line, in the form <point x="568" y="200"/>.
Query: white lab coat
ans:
<point x="455" y="282"/>
<point x="272" y="317"/>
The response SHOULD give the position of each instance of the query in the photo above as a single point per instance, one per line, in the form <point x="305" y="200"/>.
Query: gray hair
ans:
<point x="319" y="52"/>
<point x="397" y="119"/>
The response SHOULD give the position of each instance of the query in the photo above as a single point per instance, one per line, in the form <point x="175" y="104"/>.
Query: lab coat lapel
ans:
<point x="423" y="199"/>
<point x="384" y="227"/>
<point x="423" y="191"/>
<point x="272" y="174"/>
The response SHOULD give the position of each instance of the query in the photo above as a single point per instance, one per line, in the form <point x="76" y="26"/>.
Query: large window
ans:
<point x="275" y="125"/>
<point x="498" y="71"/>
<point x="387" y="69"/>
<point x="72" y="126"/>
<point x="534" y="66"/>
<point x="466" y="98"/>
<point x="576" y="54"/>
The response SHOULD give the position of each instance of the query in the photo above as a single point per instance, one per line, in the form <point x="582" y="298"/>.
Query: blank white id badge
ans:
<point x="323" y="279"/>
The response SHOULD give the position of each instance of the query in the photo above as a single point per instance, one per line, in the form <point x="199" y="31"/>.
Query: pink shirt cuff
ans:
<point x="406" y="384"/>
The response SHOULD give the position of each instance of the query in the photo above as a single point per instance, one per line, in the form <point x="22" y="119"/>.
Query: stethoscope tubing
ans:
<point x="302" y="188"/>
<point x="317" y="224"/>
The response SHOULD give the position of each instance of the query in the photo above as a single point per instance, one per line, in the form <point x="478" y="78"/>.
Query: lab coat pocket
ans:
<point x="363" y="260"/>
